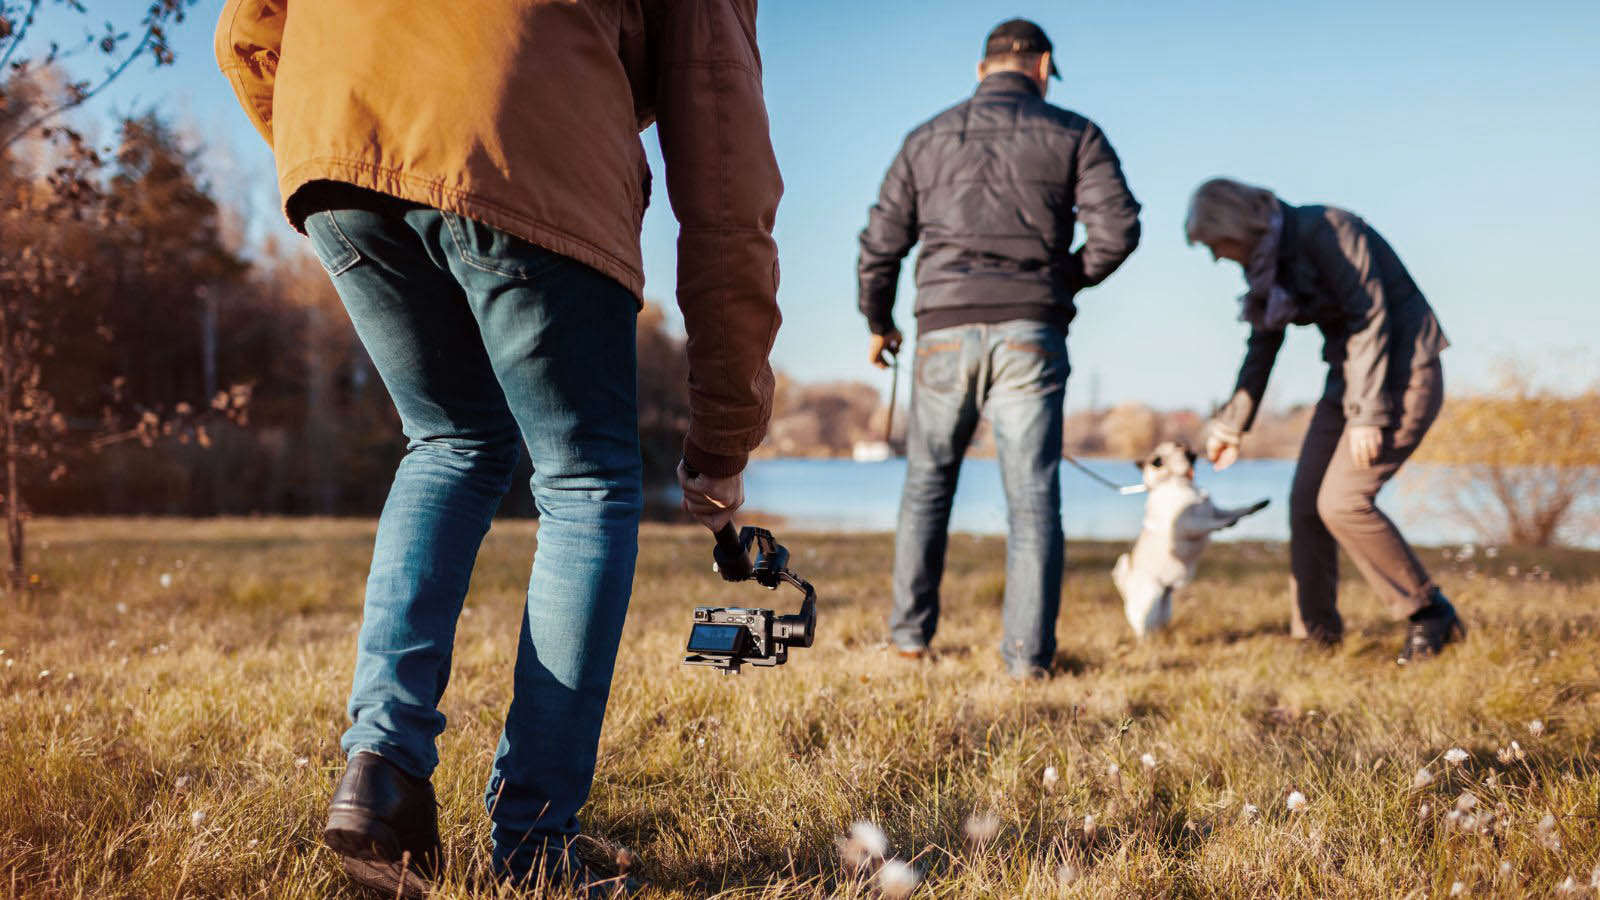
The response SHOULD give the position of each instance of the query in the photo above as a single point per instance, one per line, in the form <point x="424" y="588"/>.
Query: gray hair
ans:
<point x="1223" y="209"/>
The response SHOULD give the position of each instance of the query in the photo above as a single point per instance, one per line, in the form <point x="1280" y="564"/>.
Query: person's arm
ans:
<point x="1106" y="208"/>
<point x="1261" y="352"/>
<point x="724" y="185"/>
<point x="248" y="41"/>
<point x="1343" y="257"/>
<point x="890" y="233"/>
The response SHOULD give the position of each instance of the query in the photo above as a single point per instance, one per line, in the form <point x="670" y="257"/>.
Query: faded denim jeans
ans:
<point x="1015" y="373"/>
<point x="488" y="343"/>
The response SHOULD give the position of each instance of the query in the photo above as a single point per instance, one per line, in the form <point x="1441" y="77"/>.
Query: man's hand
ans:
<point x="885" y="347"/>
<point x="712" y="501"/>
<point x="1221" y="451"/>
<point x="1366" y="442"/>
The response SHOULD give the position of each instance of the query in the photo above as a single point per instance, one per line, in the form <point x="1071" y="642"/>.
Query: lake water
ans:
<point x="845" y="495"/>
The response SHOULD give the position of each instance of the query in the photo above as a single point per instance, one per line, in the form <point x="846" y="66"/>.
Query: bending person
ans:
<point x="1323" y="266"/>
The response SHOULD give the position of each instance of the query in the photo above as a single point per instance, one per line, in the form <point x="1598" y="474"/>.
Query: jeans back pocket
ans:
<point x="489" y="249"/>
<point x="333" y="249"/>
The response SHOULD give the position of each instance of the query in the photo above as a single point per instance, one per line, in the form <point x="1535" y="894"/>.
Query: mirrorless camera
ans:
<point x="727" y="637"/>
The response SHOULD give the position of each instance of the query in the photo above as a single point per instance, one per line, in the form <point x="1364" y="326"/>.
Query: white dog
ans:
<point x="1178" y="521"/>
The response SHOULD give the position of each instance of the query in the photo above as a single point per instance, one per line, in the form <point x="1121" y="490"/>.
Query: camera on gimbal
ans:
<point x="726" y="638"/>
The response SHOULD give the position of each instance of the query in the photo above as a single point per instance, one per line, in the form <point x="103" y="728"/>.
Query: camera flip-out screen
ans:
<point x="704" y="638"/>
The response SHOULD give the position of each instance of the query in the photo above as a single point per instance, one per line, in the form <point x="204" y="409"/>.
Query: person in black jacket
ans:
<point x="992" y="188"/>
<point x="1324" y="266"/>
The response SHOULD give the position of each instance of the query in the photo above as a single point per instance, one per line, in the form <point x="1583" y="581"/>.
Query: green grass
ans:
<point x="185" y="740"/>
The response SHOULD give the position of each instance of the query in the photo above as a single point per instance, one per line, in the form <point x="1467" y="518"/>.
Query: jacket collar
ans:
<point x="1291" y="230"/>
<point x="1008" y="83"/>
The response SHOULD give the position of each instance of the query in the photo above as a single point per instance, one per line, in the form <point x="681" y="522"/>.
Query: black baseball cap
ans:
<point x="1019" y="36"/>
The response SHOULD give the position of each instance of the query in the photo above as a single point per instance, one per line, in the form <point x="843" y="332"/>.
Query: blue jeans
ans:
<point x="486" y="343"/>
<point x="1016" y="374"/>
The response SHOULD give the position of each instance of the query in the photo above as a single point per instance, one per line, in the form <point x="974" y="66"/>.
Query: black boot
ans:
<point x="1430" y="628"/>
<point x="385" y="824"/>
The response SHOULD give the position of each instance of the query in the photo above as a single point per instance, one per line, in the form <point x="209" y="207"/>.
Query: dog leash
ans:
<point x="894" y="386"/>
<point x="1124" y="489"/>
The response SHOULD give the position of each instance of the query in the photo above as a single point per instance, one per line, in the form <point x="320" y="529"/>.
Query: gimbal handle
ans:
<point x="733" y="560"/>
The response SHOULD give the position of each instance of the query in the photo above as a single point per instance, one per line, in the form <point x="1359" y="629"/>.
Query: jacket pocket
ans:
<point x="491" y="250"/>
<point x="328" y="241"/>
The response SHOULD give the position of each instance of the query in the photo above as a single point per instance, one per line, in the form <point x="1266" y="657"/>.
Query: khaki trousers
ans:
<point x="1331" y="506"/>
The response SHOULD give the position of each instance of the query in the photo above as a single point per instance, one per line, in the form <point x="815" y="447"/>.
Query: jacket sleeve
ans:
<point x="724" y="185"/>
<point x="890" y="233"/>
<point x="1239" y="413"/>
<point x="248" y="41"/>
<point x="1106" y="207"/>
<point x="1344" y="261"/>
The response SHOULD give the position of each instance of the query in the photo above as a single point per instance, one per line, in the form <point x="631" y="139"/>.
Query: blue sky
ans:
<point x="1466" y="132"/>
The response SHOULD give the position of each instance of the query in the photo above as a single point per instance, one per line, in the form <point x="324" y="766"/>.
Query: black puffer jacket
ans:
<point x="992" y="188"/>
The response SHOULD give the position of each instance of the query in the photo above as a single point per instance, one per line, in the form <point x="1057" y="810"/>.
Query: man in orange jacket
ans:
<point x="473" y="182"/>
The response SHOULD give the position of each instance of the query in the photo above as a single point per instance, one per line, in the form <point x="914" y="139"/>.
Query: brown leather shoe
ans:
<point x="384" y="822"/>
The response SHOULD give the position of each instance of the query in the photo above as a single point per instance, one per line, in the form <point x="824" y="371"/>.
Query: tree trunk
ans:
<point x="13" y="492"/>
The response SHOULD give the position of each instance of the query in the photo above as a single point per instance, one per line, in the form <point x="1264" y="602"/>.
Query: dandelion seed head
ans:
<point x="1252" y="812"/>
<point x="1536" y="728"/>
<point x="1088" y="826"/>
<point x="1455" y="756"/>
<point x="1068" y="874"/>
<point x="1423" y="778"/>
<point x="897" y="879"/>
<point x="1424" y="810"/>
<point x="1148" y="760"/>
<point x="1547" y="824"/>
<point x="1051" y="778"/>
<point x="300" y="762"/>
<point x="1457" y="889"/>
<point x="198" y="818"/>
<point x="1296" y="802"/>
<point x="1466" y="801"/>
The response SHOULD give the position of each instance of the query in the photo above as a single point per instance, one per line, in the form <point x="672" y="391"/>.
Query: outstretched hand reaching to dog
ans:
<point x="1221" y="451"/>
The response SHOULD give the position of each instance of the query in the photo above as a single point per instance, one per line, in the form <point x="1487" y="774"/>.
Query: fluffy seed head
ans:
<point x="1423" y="778"/>
<point x="1296" y="802"/>
<point x="1068" y="874"/>
<point x="897" y="879"/>
<point x="1252" y="812"/>
<point x="1149" y="760"/>
<point x="1425" y="810"/>
<point x="1088" y="827"/>
<point x="1466" y="802"/>
<point x="1051" y="778"/>
<point x="872" y="838"/>
<point x="198" y="818"/>
<point x="1570" y="886"/>
<point x="1547" y="824"/>
<point x="1457" y="889"/>
<point x="981" y="828"/>
<point x="1536" y="728"/>
<point x="1455" y="756"/>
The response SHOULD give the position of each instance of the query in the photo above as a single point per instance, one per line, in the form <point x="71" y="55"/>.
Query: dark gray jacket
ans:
<point x="992" y="188"/>
<point x="1376" y="325"/>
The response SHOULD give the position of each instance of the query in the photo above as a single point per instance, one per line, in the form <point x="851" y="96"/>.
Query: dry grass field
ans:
<point x="171" y="696"/>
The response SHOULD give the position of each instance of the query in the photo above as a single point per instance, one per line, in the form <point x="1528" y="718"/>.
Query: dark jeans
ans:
<point x="486" y="344"/>
<point x="1016" y="374"/>
<point x="1332" y="505"/>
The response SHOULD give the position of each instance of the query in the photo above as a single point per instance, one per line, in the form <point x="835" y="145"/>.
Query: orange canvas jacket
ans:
<point x="525" y="115"/>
